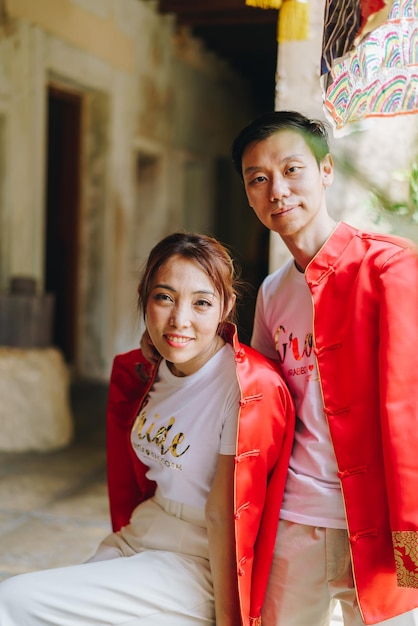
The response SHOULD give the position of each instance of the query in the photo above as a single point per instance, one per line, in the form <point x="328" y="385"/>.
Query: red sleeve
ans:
<point x="127" y="485"/>
<point x="398" y="377"/>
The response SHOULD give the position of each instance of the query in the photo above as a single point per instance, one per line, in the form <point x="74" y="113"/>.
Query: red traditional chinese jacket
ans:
<point x="264" y="441"/>
<point x="365" y="296"/>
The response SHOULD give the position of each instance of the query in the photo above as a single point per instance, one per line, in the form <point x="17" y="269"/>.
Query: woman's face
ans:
<point x="182" y="315"/>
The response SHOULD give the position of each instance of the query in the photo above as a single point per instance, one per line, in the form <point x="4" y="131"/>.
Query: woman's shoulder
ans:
<point x="245" y="353"/>
<point x="130" y="366"/>
<point x="259" y="360"/>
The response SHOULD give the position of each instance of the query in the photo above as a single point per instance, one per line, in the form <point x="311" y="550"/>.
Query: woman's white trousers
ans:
<point x="155" y="572"/>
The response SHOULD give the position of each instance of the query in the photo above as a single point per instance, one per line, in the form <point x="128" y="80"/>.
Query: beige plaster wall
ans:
<point x="150" y="95"/>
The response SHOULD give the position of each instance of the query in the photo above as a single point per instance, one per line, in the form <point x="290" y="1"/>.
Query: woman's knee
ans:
<point x="15" y="596"/>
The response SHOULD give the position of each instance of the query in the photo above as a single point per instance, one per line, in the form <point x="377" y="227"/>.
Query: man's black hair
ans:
<point x="314" y="133"/>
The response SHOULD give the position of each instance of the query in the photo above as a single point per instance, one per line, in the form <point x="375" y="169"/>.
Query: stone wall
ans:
<point x="150" y="93"/>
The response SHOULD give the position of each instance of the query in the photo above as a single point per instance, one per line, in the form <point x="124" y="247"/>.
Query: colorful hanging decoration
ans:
<point x="373" y="14"/>
<point x="342" y="19"/>
<point x="379" y="77"/>
<point x="293" y="20"/>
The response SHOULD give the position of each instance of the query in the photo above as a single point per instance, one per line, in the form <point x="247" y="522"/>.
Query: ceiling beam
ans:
<point x="214" y="12"/>
<point x="208" y="5"/>
<point x="244" y="36"/>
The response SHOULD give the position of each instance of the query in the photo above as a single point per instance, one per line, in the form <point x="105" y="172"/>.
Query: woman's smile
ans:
<point x="177" y="340"/>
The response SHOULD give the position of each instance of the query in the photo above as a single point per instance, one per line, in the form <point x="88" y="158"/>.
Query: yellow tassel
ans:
<point x="293" y="22"/>
<point x="264" y="4"/>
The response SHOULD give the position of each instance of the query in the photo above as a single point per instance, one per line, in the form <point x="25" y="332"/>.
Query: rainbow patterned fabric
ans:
<point x="380" y="76"/>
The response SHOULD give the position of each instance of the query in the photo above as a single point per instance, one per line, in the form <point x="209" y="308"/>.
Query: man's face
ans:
<point x="284" y="183"/>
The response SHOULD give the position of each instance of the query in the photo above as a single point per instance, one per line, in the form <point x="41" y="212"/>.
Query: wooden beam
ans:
<point x="204" y="5"/>
<point x="216" y="11"/>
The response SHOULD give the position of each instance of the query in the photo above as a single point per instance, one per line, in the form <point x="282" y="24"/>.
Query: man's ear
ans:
<point x="327" y="170"/>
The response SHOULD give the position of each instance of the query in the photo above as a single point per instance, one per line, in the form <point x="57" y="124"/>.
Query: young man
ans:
<point x="341" y="318"/>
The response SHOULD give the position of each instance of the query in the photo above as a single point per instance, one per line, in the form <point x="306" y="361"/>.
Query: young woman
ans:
<point x="198" y="450"/>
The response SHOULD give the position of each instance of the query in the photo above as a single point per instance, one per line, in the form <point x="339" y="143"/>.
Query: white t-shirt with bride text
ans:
<point x="185" y="423"/>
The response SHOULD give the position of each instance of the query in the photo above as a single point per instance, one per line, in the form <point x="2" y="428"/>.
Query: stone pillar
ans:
<point x="298" y="88"/>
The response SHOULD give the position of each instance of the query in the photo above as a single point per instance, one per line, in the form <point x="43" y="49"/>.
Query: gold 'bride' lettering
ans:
<point x="160" y="436"/>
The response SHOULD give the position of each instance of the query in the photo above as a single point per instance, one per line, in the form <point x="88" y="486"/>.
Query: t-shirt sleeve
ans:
<point x="262" y="339"/>
<point x="230" y="426"/>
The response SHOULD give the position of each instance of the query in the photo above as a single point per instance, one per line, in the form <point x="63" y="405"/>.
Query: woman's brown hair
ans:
<point x="207" y="252"/>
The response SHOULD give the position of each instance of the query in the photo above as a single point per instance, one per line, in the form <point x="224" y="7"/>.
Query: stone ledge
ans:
<point x="35" y="411"/>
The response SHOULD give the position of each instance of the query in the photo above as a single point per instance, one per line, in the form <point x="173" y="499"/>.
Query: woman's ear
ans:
<point x="230" y="306"/>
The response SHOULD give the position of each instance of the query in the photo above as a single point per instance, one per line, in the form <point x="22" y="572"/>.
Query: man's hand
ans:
<point x="148" y="349"/>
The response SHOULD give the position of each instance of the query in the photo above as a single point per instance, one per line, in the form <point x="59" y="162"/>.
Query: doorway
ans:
<point x="63" y="214"/>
